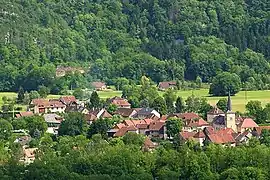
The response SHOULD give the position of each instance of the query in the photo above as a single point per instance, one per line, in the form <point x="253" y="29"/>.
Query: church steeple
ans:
<point x="229" y="103"/>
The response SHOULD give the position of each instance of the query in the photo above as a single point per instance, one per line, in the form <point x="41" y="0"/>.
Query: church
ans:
<point x="220" y="120"/>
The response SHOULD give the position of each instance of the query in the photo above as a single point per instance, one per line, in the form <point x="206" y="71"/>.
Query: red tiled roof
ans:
<point x="215" y="138"/>
<point x="25" y="114"/>
<point x="156" y="125"/>
<point x="128" y="122"/>
<point x="121" y="132"/>
<point x="209" y="130"/>
<point x="148" y="143"/>
<point x="166" y="84"/>
<point x="185" y="116"/>
<point x="124" y="130"/>
<point x="187" y="135"/>
<point x="199" y="134"/>
<point x="120" y="125"/>
<point x="68" y="99"/>
<point x="215" y="110"/>
<point x="197" y="123"/>
<point x="260" y="128"/>
<point x="148" y="121"/>
<point x="226" y="131"/>
<point x="248" y="123"/>
<point x="121" y="102"/>
<point x="98" y="84"/>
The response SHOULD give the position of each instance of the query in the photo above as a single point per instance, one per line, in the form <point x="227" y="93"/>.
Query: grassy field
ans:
<point x="238" y="101"/>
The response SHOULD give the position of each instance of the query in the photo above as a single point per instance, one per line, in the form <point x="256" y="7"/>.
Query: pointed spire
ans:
<point x="229" y="103"/>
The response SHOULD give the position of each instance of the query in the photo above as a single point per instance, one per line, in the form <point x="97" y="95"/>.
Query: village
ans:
<point x="224" y="128"/>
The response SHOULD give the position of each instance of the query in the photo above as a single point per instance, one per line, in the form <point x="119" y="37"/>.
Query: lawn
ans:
<point x="238" y="101"/>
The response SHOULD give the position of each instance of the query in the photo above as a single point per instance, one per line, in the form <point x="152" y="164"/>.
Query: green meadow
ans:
<point x="238" y="101"/>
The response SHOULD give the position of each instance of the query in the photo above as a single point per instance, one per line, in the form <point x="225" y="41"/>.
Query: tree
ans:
<point x="4" y="99"/>
<point x="265" y="137"/>
<point x="225" y="82"/>
<point x="20" y="95"/>
<point x="100" y="126"/>
<point x="5" y="129"/>
<point x="35" y="125"/>
<point x="34" y="95"/>
<point x="173" y="127"/>
<point x="78" y="93"/>
<point x="94" y="100"/>
<point x="255" y="110"/>
<point x="204" y="107"/>
<point x="231" y="173"/>
<point x="26" y="99"/>
<point x="131" y="138"/>
<point x="192" y="103"/>
<point x="179" y="105"/>
<point x="170" y="97"/>
<point x="222" y="104"/>
<point x="159" y="105"/>
<point x="112" y="108"/>
<point x="73" y="125"/>
<point x="43" y="91"/>
<point x="198" y="81"/>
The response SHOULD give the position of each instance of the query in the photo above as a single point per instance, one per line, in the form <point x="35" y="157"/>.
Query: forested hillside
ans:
<point x="163" y="39"/>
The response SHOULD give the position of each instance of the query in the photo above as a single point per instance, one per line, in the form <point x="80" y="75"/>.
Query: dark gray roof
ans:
<point x="219" y="120"/>
<point x="145" y="111"/>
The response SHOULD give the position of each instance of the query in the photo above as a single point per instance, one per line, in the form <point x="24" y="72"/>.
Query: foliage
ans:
<point x="225" y="82"/>
<point x="100" y="126"/>
<point x="255" y="110"/>
<point x="73" y="125"/>
<point x="170" y="98"/>
<point x="20" y="95"/>
<point x="131" y="138"/>
<point x="159" y="105"/>
<point x="35" y="124"/>
<point x="5" y="129"/>
<point x="179" y="105"/>
<point x="222" y="104"/>
<point x="43" y="91"/>
<point x="112" y="108"/>
<point x="173" y="126"/>
<point x="94" y="100"/>
<point x="78" y="93"/>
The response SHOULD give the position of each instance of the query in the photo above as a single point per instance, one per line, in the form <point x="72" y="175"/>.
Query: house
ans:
<point x="93" y="115"/>
<point x="242" y="138"/>
<point x="246" y="125"/>
<point x="23" y="140"/>
<point x="195" y="124"/>
<point x="53" y="122"/>
<point x="223" y="137"/>
<point x="148" y="145"/>
<point x="43" y="106"/>
<point x="258" y="130"/>
<point x="24" y="114"/>
<point x="199" y="137"/>
<point x="147" y="113"/>
<point x="167" y="85"/>
<point x="125" y="112"/>
<point x="78" y="108"/>
<point x="121" y="132"/>
<point x="185" y="135"/>
<point x="28" y="155"/>
<point x="157" y="130"/>
<point x="62" y="71"/>
<point x="214" y="112"/>
<point x="99" y="86"/>
<point x="119" y="102"/>
<point x="68" y="100"/>
<point x="185" y="116"/>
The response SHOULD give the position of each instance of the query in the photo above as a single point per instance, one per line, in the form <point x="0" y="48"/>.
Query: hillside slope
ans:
<point x="164" y="39"/>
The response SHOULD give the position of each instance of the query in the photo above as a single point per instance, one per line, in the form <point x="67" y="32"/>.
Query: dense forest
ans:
<point x="162" y="39"/>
